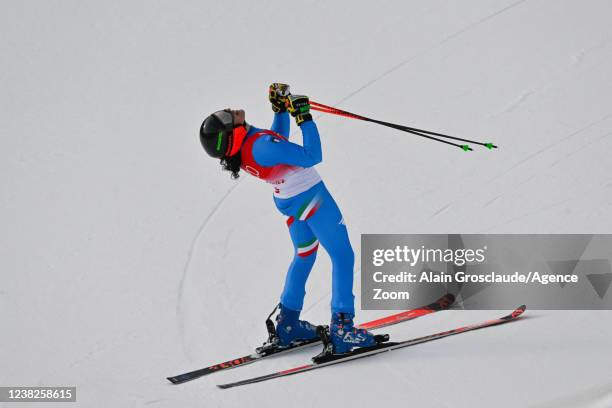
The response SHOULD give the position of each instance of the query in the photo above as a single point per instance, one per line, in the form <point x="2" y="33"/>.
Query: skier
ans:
<point x="313" y="216"/>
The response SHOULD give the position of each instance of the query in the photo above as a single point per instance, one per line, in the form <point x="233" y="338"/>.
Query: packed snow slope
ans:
<point x="127" y="255"/>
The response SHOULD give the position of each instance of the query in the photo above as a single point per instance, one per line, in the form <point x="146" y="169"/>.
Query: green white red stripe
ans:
<point x="308" y="209"/>
<point x="308" y="248"/>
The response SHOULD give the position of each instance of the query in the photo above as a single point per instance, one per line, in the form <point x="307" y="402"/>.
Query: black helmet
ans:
<point x="218" y="135"/>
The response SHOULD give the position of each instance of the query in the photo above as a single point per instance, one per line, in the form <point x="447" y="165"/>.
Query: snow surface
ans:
<point x="127" y="256"/>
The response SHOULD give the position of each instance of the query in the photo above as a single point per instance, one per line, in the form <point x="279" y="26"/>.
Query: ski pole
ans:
<point x="416" y="131"/>
<point x="339" y="112"/>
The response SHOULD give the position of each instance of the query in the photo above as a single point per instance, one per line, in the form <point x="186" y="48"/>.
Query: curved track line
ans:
<point x="181" y="287"/>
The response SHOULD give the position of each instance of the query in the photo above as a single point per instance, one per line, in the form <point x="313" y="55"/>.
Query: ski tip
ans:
<point x="223" y="386"/>
<point x="519" y="311"/>
<point x="173" y="380"/>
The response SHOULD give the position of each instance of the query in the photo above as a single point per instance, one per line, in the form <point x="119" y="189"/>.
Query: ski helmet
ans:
<point x="219" y="136"/>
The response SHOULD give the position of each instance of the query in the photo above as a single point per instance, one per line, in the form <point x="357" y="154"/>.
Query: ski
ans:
<point x="380" y="348"/>
<point x="262" y="352"/>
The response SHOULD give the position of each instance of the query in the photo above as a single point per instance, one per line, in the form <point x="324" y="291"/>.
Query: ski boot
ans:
<point x="342" y="338"/>
<point x="289" y="331"/>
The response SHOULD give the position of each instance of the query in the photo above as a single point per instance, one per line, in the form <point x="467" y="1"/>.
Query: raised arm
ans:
<point x="281" y="124"/>
<point x="270" y="151"/>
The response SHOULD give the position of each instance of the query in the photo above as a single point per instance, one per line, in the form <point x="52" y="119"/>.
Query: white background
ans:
<point x="126" y="254"/>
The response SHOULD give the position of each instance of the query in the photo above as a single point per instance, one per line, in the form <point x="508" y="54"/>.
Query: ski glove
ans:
<point x="299" y="107"/>
<point x="278" y="94"/>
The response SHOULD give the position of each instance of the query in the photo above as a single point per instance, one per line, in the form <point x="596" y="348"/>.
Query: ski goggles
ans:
<point x="236" y="134"/>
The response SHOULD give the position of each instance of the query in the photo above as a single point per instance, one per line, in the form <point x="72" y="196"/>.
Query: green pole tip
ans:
<point x="466" y="148"/>
<point x="490" y="146"/>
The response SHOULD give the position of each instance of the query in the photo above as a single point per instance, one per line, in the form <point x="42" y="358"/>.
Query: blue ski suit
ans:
<point x="313" y="215"/>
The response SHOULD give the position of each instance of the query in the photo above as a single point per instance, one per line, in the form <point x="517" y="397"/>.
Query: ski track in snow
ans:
<point x="179" y="300"/>
<point x="550" y="146"/>
<point x="428" y="50"/>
